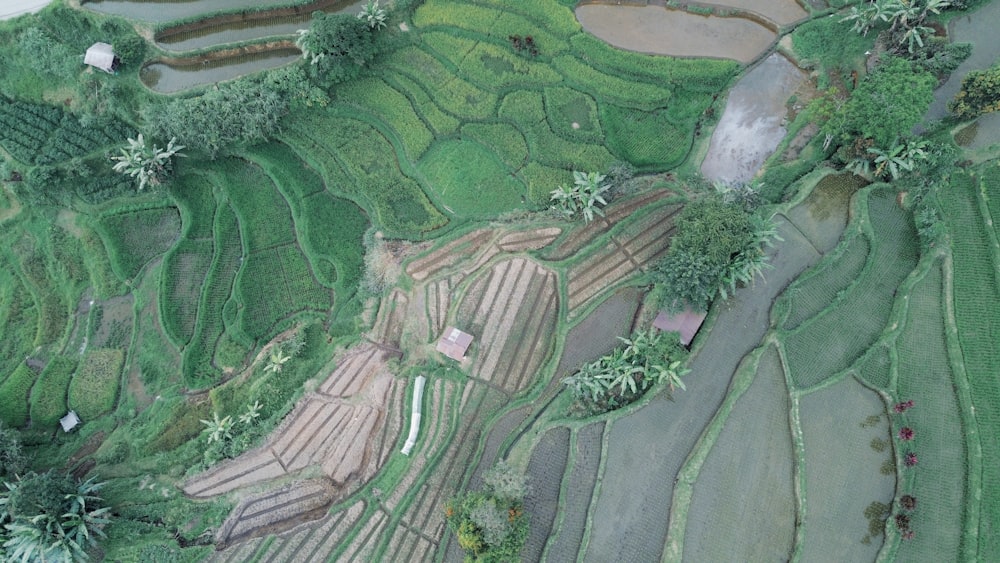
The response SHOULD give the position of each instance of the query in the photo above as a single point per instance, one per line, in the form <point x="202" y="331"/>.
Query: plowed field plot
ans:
<point x="545" y="472"/>
<point x="259" y="513"/>
<point x="315" y="541"/>
<point x="627" y="252"/>
<point x="579" y="237"/>
<point x="512" y="309"/>
<point x="449" y="254"/>
<point x="334" y="429"/>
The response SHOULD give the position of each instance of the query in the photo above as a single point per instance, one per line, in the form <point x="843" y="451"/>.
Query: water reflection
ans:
<point x="166" y="78"/>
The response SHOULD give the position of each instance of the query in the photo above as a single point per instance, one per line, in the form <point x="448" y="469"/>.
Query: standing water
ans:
<point x="173" y="77"/>
<point x="754" y="121"/>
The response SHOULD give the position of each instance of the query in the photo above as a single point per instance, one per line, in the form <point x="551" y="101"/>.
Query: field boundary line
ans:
<point x="974" y="447"/>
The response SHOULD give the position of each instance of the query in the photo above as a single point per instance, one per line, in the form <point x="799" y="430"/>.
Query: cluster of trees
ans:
<point x="980" y="94"/>
<point x="148" y="164"/>
<point x="490" y="524"/>
<point x="648" y="359"/>
<point x="46" y="516"/>
<point x="718" y="246"/>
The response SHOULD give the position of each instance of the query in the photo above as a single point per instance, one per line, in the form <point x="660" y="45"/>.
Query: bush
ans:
<point x="980" y="94"/>
<point x="491" y="525"/>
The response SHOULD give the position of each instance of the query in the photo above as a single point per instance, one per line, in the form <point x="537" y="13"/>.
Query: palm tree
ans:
<point x="277" y="361"/>
<point x="374" y="14"/>
<point x="218" y="430"/>
<point x="150" y="165"/>
<point x="670" y="374"/>
<point x="253" y="411"/>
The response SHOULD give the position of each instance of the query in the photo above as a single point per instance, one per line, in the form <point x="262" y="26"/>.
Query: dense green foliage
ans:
<point x="48" y="517"/>
<point x="337" y="46"/>
<point x="717" y="246"/>
<point x="886" y="104"/>
<point x="647" y="359"/>
<point x="980" y="93"/>
<point x="491" y="525"/>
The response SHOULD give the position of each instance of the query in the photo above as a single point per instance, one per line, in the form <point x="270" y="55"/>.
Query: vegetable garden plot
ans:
<point x="813" y="292"/>
<point x="504" y="139"/>
<point x="93" y="390"/>
<point x="749" y="471"/>
<point x="48" y="395"/>
<point x="43" y="134"/>
<point x="15" y="394"/>
<point x="647" y="139"/>
<point x="197" y="363"/>
<point x="428" y="109"/>
<point x="576" y="495"/>
<point x="193" y="195"/>
<point x="449" y="254"/>
<point x="849" y="467"/>
<point x="573" y="115"/>
<point x="184" y="270"/>
<point x="939" y="479"/>
<point x="453" y="94"/>
<point x="975" y="294"/>
<point x="390" y="107"/>
<point x="545" y="474"/>
<point x="467" y="179"/>
<point x="864" y="306"/>
<point x="133" y="238"/>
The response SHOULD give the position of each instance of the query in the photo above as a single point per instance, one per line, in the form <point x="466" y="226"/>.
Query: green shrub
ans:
<point x="776" y="179"/>
<point x="830" y="44"/>
<point x="14" y="396"/>
<point x="980" y="94"/>
<point x="48" y="396"/>
<point x="94" y="389"/>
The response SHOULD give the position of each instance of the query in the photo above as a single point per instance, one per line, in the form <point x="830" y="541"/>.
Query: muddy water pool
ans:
<point x="753" y="122"/>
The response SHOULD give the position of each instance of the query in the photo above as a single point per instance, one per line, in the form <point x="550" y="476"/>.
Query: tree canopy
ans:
<point x="980" y="93"/>
<point x="337" y="46"/>
<point x="886" y="105"/>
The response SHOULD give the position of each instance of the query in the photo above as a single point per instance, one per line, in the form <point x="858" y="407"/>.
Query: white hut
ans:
<point x="102" y="56"/>
<point x="69" y="421"/>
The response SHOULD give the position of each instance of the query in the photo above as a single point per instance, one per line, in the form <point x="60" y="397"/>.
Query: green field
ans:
<point x="355" y="221"/>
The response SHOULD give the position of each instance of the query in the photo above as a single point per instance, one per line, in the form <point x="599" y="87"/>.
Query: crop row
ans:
<point x="865" y="305"/>
<point x="94" y="389"/>
<point x="134" y="238"/>
<point x="976" y="291"/>
<point x="40" y="134"/>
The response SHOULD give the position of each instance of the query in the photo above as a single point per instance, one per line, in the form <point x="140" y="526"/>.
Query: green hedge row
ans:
<point x="93" y="391"/>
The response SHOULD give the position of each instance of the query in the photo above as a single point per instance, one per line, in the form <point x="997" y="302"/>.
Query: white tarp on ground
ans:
<point x="100" y="55"/>
<point x="13" y="8"/>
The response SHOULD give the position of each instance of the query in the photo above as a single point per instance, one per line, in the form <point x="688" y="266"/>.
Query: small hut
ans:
<point x="102" y="56"/>
<point x="687" y="323"/>
<point x="454" y="343"/>
<point x="69" y="421"/>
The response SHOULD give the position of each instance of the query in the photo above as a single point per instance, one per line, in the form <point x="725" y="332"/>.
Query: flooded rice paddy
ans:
<point x="167" y="77"/>
<point x="248" y="26"/>
<point x="167" y="10"/>
<point x="753" y="123"/>
<point x="978" y="28"/>
<point x="667" y="31"/>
